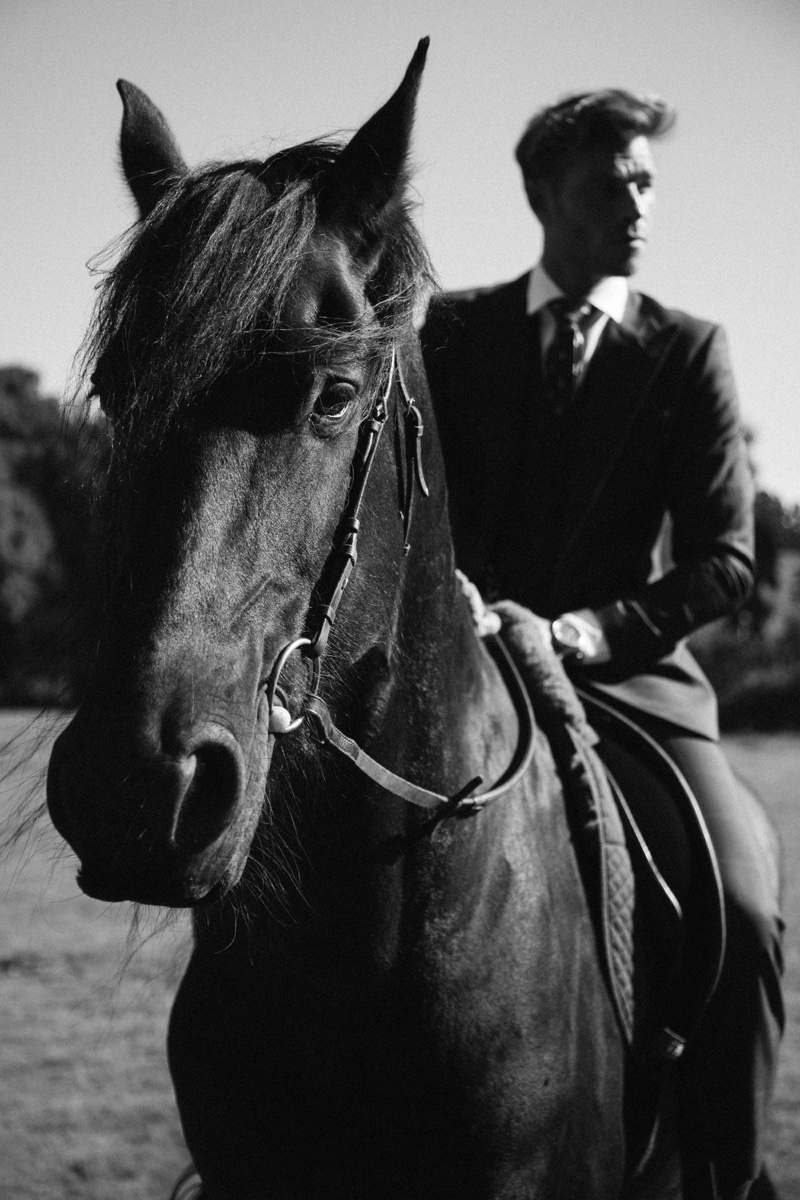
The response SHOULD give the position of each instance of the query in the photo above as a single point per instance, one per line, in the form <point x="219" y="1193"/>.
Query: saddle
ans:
<point x="644" y="853"/>
<point x="674" y="866"/>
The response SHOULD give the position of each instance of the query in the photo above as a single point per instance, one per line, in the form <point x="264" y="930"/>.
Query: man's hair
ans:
<point x="587" y="119"/>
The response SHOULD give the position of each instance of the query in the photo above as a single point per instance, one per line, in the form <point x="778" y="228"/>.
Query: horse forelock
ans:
<point x="203" y="285"/>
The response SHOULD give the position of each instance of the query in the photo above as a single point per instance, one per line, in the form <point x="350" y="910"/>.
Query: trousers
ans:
<point x="732" y="1064"/>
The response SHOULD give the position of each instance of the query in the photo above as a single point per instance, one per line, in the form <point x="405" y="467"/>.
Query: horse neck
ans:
<point x="466" y="721"/>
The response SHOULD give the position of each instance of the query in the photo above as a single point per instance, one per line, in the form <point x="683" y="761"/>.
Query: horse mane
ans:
<point x="202" y="282"/>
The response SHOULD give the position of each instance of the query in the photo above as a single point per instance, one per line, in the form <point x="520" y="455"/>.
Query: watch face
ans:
<point x="566" y="633"/>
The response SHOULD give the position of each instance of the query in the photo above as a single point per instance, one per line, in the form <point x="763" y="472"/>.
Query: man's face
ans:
<point x="596" y="215"/>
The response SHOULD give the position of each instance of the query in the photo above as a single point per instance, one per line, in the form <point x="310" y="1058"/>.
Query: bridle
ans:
<point x="345" y="552"/>
<point x="323" y="613"/>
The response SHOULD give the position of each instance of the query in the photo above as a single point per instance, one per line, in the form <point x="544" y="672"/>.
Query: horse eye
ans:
<point x="333" y="401"/>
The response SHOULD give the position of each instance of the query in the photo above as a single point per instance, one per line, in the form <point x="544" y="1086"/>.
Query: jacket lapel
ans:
<point x="621" y="377"/>
<point x="513" y="377"/>
<point x="514" y="336"/>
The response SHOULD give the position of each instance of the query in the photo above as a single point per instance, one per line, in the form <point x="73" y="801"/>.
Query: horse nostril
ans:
<point x="214" y="787"/>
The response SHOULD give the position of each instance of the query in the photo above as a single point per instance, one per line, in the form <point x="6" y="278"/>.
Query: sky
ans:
<point x="241" y="78"/>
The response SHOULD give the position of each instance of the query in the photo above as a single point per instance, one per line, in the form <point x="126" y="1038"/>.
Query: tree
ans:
<point x="46" y="469"/>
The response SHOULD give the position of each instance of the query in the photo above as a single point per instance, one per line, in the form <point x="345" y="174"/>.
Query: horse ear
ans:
<point x="149" y="152"/>
<point x="370" y="173"/>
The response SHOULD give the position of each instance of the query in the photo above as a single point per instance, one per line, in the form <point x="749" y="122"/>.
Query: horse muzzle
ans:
<point x="157" y="828"/>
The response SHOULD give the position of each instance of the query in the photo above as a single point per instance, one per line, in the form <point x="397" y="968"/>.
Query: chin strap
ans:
<point x="319" y="714"/>
<point x="463" y="801"/>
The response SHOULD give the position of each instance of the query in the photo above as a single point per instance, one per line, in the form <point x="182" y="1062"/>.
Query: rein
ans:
<point x="344" y="559"/>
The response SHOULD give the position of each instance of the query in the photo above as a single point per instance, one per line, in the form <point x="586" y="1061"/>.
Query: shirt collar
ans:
<point x="610" y="295"/>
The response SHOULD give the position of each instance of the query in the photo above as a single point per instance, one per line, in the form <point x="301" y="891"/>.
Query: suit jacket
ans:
<point x="561" y="514"/>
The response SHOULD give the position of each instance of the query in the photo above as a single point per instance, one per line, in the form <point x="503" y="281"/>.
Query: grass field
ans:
<point x="86" y="1107"/>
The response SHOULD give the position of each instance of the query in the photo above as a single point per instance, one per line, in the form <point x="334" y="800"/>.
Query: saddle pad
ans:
<point x="605" y="864"/>
<point x="594" y="821"/>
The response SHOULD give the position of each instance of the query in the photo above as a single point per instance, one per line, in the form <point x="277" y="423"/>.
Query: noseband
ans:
<point x="343" y="560"/>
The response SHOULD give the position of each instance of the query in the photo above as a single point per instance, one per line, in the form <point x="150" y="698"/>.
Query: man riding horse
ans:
<point x="597" y="474"/>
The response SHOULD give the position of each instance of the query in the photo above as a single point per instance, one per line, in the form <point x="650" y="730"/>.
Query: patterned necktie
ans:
<point x="564" y="358"/>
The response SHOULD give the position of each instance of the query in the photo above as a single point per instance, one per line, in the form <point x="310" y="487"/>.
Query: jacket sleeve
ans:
<point x="710" y="502"/>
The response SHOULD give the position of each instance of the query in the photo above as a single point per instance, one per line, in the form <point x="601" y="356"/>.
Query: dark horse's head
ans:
<point x="239" y="342"/>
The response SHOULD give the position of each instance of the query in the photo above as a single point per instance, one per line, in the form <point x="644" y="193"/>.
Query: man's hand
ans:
<point x="484" y="620"/>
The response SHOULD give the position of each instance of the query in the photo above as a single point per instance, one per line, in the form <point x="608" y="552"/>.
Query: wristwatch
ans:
<point x="567" y="634"/>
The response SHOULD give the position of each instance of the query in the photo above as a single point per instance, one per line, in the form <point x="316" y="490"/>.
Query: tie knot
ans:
<point x="567" y="310"/>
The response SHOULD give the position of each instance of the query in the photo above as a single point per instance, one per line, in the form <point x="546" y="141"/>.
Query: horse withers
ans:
<point x="392" y="993"/>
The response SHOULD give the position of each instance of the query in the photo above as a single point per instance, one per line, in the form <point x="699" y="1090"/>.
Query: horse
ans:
<point x="293" y="729"/>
